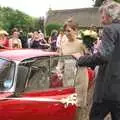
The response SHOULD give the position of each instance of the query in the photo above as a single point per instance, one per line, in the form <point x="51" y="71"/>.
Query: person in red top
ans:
<point x="4" y="42"/>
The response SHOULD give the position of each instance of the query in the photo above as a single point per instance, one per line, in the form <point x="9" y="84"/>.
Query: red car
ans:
<point x="31" y="88"/>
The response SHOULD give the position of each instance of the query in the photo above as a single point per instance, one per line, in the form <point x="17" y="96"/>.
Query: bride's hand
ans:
<point x="76" y="55"/>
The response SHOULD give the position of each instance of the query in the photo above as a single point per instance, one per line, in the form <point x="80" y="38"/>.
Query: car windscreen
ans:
<point x="6" y="74"/>
<point x="50" y="72"/>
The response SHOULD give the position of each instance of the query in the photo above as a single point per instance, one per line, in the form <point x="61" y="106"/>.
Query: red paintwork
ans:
<point x="21" y="54"/>
<point x="52" y="93"/>
<point x="91" y="76"/>
<point x="30" y="110"/>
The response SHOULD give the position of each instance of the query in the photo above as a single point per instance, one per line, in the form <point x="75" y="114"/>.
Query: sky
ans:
<point x="37" y="8"/>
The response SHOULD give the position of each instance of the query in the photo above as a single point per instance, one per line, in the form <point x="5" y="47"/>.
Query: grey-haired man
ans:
<point x="107" y="87"/>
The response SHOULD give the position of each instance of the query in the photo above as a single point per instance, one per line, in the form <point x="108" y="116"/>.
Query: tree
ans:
<point x="39" y="24"/>
<point x="50" y="27"/>
<point x="99" y="2"/>
<point x="10" y="18"/>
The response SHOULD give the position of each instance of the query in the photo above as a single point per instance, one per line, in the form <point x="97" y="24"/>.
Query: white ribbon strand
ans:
<point x="71" y="99"/>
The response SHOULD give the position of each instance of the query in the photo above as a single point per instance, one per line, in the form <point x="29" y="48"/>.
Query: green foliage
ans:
<point x="10" y="18"/>
<point x="50" y="27"/>
<point x="117" y="1"/>
<point x="39" y="24"/>
<point x="99" y="2"/>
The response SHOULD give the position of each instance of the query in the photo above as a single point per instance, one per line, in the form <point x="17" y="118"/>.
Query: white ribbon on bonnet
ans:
<point x="71" y="99"/>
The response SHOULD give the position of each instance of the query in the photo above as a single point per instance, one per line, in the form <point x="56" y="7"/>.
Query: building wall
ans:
<point x="84" y="17"/>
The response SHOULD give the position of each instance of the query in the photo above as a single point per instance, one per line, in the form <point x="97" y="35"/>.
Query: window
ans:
<point x="51" y="72"/>
<point x="62" y="71"/>
<point x="38" y="78"/>
<point x="6" y="74"/>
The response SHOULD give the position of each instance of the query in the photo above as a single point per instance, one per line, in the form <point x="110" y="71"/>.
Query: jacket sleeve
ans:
<point x="105" y="50"/>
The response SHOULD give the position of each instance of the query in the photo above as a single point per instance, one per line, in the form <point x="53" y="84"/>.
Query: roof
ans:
<point x="82" y="16"/>
<point x="22" y="54"/>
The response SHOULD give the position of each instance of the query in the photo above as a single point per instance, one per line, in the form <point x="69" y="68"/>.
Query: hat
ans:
<point x="3" y="32"/>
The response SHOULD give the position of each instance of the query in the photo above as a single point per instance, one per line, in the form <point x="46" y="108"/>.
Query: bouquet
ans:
<point x="89" y="37"/>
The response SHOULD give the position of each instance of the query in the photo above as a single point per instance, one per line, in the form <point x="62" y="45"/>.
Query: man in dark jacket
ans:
<point x="107" y="87"/>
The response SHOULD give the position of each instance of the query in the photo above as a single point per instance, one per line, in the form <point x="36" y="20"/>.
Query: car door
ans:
<point x="45" y="92"/>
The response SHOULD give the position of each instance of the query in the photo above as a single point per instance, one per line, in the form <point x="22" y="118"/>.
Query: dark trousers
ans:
<point x="100" y="110"/>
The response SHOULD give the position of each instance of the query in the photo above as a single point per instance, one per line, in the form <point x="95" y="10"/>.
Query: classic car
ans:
<point x="32" y="87"/>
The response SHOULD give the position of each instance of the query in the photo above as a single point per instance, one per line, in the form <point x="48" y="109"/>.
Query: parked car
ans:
<point x="32" y="88"/>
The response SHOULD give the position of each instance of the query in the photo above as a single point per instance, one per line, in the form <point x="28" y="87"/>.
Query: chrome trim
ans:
<point x="12" y="89"/>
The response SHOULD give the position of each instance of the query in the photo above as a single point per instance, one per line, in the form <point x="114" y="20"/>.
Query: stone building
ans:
<point x="84" y="17"/>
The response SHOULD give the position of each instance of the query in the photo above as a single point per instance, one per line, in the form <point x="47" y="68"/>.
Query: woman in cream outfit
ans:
<point x="69" y="45"/>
